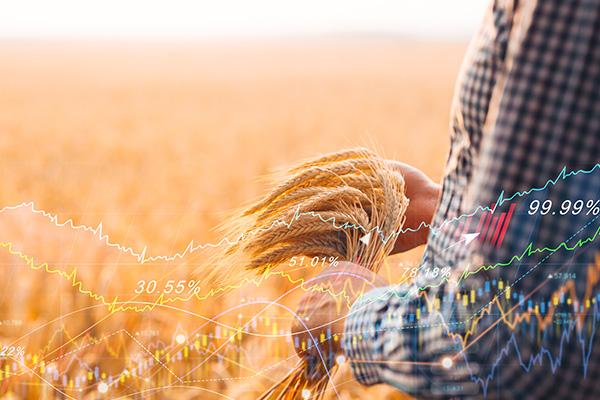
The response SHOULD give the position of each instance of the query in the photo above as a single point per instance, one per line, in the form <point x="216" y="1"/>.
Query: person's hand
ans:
<point x="423" y="194"/>
<point x="322" y="313"/>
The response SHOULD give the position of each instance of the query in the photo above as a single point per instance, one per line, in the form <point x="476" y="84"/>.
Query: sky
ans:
<point x="237" y="18"/>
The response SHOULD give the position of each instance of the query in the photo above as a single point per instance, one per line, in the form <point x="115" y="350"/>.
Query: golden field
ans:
<point x="161" y="142"/>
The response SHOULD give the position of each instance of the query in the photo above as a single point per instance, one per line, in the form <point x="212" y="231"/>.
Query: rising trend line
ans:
<point x="191" y="247"/>
<point x="529" y="251"/>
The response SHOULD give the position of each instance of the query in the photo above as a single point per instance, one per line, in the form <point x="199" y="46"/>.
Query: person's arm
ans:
<point x="541" y="119"/>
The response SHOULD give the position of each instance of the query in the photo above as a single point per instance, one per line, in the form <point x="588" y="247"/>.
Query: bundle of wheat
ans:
<point x="323" y="208"/>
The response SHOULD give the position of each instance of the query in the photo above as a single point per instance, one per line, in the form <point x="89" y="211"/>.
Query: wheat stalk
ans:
<point x="323" y="208"/>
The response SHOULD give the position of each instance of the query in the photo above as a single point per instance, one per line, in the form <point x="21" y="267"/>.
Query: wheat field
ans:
<point x="161" y="142"/>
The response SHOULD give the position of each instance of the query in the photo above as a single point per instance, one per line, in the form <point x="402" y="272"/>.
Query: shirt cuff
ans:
<point x="362" y="341"/>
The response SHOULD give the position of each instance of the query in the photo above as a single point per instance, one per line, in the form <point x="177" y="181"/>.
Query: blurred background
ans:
<point x="151" y="122"/>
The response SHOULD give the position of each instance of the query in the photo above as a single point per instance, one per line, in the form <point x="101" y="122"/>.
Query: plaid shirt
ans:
<point x="525" y="127"/>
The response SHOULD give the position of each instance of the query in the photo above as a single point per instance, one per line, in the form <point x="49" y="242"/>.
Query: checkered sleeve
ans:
<point x="363" y="353"/>
<point x="394" y="336"/>
<point x="367" y="332"/>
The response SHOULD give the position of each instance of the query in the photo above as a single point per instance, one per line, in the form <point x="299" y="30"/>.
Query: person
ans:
<point x="517" y="314"/>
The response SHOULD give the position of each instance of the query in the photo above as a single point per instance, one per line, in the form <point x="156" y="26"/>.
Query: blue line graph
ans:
<point x="537" y="359"/>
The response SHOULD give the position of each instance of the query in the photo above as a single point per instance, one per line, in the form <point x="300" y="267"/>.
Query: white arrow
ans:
<point x="467" y="238"/>
<point x="365" y="239"/>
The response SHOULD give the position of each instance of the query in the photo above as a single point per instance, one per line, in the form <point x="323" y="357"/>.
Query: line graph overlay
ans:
<point x="191" y="247"/>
